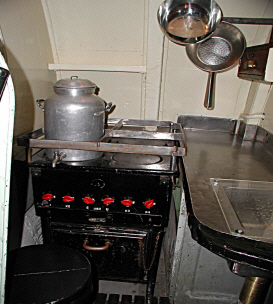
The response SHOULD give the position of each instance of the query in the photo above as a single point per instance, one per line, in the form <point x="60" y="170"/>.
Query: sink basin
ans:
<point x="247" y="206"/>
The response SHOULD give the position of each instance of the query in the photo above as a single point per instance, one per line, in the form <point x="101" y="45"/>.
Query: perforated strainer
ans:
<point x="216" y="54"/>
<point x="214" y="51"/>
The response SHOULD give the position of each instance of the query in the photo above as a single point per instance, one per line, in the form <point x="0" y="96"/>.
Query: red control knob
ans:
<point x="68" y="199"/>
<point x="127" y="202"/>
<point x="88" y="200"/>
<point x="108" y="201"/>
<point x="148" y="204"/>
<point x="47" y="197"/>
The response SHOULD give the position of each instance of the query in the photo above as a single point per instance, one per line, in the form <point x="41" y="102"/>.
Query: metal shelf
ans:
<point x="96" y="68"/>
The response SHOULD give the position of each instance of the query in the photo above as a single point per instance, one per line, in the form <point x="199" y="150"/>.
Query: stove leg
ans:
<point x="254" y="290"/>
<point x="150" y="290"/>
<point x="152" y="273"/>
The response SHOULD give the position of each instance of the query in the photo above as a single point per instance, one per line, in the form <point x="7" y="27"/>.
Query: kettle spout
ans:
<point x="58" y="156"/>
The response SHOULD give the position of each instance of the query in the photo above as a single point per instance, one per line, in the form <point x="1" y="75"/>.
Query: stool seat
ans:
<point x="48" y="274"/>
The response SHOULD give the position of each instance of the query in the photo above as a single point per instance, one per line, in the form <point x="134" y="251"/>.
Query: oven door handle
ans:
<point x="85" y="246"/>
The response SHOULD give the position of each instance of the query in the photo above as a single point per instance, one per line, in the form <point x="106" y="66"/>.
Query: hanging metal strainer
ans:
<point x="217" y="53"/>
<point x="214" y="51"/>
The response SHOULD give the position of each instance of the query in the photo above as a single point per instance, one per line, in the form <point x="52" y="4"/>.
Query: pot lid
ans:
<point x="74" y="83"/>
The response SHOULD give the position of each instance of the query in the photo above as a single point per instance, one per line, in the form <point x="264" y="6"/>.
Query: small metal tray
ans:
<point x="247" y="206"/>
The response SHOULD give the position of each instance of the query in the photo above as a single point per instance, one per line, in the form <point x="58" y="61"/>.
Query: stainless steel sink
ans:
<point x="247" y="206"/>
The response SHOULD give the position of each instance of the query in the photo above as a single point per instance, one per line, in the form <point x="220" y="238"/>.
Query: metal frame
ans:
<point x="175" y="133"/>
<point x="255" y="21"/>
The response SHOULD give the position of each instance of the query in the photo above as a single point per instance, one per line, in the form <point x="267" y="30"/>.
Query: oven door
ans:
<point x="117" y="253"/>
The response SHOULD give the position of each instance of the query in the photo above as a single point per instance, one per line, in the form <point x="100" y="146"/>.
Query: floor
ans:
<point x="127" y="299"/>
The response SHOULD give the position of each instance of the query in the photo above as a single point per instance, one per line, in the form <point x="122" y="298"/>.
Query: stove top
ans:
<point x="126" y="145"/>
<point x="111" y="161"/>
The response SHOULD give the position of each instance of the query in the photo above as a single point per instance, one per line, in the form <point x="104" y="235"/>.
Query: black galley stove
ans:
<point x="115" y="207"/>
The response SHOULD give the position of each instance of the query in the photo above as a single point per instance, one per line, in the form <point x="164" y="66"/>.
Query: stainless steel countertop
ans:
<point x="216" y="150"/>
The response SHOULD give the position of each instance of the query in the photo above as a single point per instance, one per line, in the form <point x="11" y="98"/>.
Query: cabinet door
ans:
<point x="117" y="254"/>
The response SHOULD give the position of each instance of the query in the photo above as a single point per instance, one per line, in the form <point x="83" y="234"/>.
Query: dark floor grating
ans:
<point x="103" y="298"/>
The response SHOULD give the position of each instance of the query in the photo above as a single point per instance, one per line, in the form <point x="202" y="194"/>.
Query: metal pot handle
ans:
<point x="91" y="248"/>
<point x="209" y="101"/>
<point x="107" y="109"/>
<point x="38" y="101"/>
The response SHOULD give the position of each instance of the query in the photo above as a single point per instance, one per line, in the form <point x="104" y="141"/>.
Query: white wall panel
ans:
<point x="153" y="63"/>
<point x="267" y="123"/>
<point x="97" y="32"/>
<point x="123" y="90"/>
<point x="111" y="33"/>
<point x="28" y="50"/>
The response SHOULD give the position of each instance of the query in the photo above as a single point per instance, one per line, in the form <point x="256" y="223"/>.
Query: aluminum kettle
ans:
<point x="74" y="113"/>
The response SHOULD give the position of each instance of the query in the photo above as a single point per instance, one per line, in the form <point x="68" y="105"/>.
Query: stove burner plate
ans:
<point x="136" y="159"/>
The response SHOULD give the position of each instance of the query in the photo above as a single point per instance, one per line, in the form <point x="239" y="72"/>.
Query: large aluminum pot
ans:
<point x="74" y="113"/>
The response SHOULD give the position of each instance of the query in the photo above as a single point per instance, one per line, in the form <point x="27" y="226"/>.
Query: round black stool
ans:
<point x="49" y="274"/>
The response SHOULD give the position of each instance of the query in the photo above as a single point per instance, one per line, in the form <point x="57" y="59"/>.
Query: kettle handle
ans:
<point x="107" y="109"/>
<point x="38" y="101"/>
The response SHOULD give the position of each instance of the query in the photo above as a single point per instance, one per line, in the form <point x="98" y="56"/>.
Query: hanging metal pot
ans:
<point x="74" y="113"/>
<point x="218" y="53"/>
<point x="188" y="21"/>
